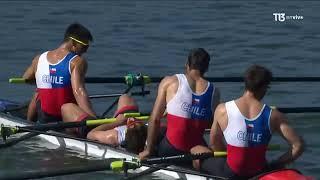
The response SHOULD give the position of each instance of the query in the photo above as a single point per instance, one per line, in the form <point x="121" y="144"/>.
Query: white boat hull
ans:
<point x="96" y="149"/>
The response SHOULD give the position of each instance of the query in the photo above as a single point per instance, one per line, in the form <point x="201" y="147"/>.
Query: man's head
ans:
<point x="198" y="59"/>
<point x="80" y="37"/>
<point x="136" y="136"/>
<point x="257" y="79"/>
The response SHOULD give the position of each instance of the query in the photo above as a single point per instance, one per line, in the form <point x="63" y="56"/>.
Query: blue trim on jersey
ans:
<point x="201" y="107"/>
<point x="258" y="130"/>
<point x="59" y="73"/>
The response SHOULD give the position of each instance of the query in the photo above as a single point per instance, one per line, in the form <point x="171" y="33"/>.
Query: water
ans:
<point x="154" y="37"/>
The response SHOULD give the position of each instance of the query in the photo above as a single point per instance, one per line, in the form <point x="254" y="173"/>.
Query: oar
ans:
<point x="130" y="80"/>
<point x="297" y="109"/>
<point x="164" y="161"/>
<point x="12" y="142"/>
<point x="91" y="166"/>
<point x="6" y="131"/>
<point x="211" y="79"/>
<point x="135" y="163"/>
<point x="118" y="95"/>
<point x="147" y="79"/>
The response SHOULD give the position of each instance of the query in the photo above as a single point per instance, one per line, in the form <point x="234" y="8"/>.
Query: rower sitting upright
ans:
<point x="247" y="125"/>
<point x="59" y="75"/>
<point x="190" y="101"/>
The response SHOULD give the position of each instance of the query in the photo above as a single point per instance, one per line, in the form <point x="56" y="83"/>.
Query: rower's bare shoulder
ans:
<point x="168" y="80"/>
<point x="277" y="118"/>
<point x="80" y="63"/>
<point x="35" y="60"/>
<point x="221" y="109"/>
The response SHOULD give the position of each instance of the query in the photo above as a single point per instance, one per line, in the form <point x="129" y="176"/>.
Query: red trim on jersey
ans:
<point x="82" y="117"/>
<point x="52" y="99"/>
<point x="246" y="161"/>
<point x="184" y="133"/>
<point x="125" y="109"/>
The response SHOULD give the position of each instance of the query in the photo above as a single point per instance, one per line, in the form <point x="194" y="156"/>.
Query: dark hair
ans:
<point x="257" y="77"/>
<point x="135" y="138"/>
<point x="199" y="59"/>
<point x="78" y="32"/>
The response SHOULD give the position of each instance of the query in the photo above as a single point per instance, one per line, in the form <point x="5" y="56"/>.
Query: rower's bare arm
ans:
<point x="280" y="124"/>
<point x="106" y="137"/>
<point x="156" y="115"/>
<point x="32" y="110"/>
<point x="216" y="134"/>
<point x="79" y="91"/>
<point x="216" y="102"/>
<point x="30" y="72"/>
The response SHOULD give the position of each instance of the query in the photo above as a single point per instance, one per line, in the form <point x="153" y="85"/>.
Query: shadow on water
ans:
<point x="37" y="155"/>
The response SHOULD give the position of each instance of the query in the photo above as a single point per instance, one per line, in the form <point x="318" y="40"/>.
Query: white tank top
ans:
<point x="189" y="114"/>
<point x="181" y="104"/>
<point x="122" y="130"/>
<point x="247" y="140"/>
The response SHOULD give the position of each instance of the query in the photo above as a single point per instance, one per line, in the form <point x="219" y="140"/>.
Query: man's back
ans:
<point x="53" y="79"/>
<point x="247" y="137"/>
<point x="189" y="113"/>
<point x="246" y="125"/>
<point x="188" y="107"/>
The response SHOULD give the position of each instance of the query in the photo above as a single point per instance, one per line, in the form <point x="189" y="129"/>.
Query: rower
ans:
<point x="190" y="101"/>
<point x="247" y="125"/>
<point x="59" y="75"/>
<point x="128" y="132"/>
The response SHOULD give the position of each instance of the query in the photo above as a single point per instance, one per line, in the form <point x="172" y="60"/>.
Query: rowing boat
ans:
<point x="95" y="149"/>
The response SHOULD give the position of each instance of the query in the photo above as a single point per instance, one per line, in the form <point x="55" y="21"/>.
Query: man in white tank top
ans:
<point x="59" y="75"/>
<point x="247" y="125"/>
<point x="190" y="101"/>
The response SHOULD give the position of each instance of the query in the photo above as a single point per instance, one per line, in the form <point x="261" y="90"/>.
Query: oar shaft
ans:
<point x="118" y="94"/>
<point x="64" y="125"/>
<point x="52" y="126"/>
<point x="8" y="131"/>
<point x="299" y="109"/>
<point x="158" y="79"/>
<point x="211" y="79"/>
<point x="91" y="166"/>
<point x="96" y="122"/>
<point x="182" y="157"/>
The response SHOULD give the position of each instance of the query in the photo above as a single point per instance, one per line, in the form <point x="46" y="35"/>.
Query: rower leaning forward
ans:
<point x="190" y="101"/>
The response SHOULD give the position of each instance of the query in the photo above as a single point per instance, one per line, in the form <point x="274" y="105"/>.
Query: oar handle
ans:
<point x="17" y="80"/>
<point x="135" y="115"/>
<point x="220" y="154"/>
<point x="95" y="122"/>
